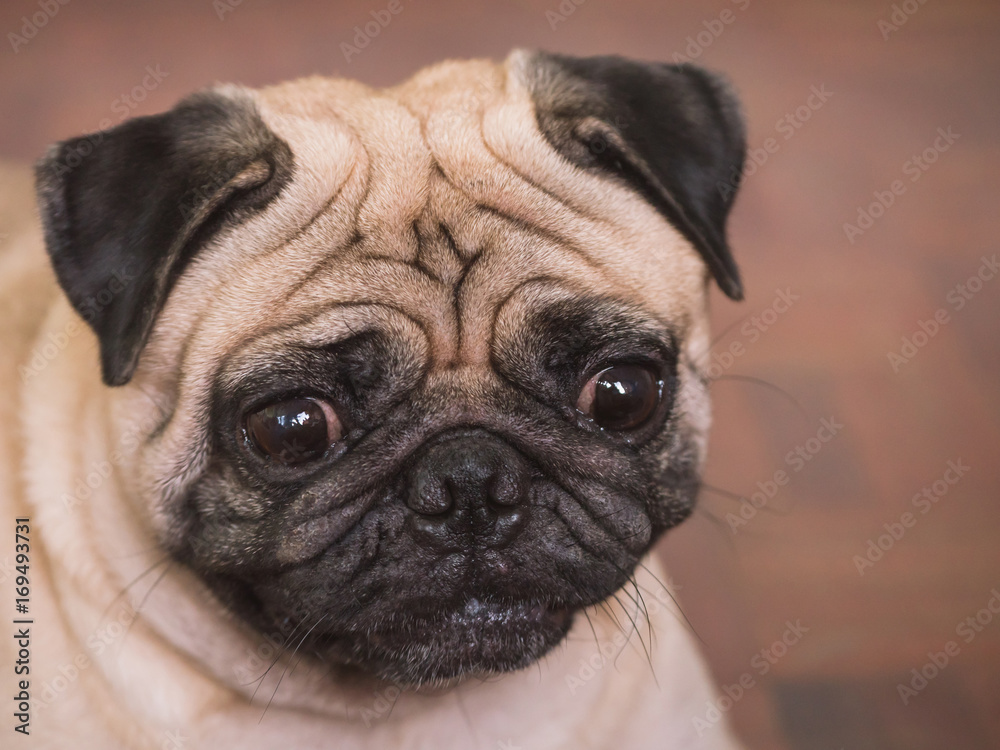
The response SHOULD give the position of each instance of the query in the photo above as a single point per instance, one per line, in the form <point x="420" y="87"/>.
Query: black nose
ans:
<point x="468" y="488"/>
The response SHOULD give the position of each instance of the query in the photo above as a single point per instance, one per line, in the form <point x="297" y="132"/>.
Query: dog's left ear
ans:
<point x="674" y="133"/>
<point x="124" y="210"/>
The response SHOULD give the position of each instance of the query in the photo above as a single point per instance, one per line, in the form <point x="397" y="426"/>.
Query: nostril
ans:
<point x="507" y="489"/>
<point x="429" y="496"/>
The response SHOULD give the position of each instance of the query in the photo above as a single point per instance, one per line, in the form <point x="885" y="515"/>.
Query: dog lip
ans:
<point x="474" y="636"/>
<point x="473" y="606"/>
<point x="500" y="613"/>
<point x="476" y="615"/>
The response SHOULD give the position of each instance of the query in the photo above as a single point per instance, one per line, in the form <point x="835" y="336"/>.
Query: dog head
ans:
<point x="425" y="359"/>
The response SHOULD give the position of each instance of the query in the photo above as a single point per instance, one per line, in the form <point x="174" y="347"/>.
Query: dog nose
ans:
<point x="468" y="488"/>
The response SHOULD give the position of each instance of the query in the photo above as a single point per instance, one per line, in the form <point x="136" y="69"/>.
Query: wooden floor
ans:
<point x="845" y="101"/>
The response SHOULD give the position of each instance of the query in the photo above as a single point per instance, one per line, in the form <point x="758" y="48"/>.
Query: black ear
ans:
<point x="673" y="132"/>
<point x="125" y="209"/>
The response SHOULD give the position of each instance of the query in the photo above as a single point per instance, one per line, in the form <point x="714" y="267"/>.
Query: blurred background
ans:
<point x="847" y="542"/>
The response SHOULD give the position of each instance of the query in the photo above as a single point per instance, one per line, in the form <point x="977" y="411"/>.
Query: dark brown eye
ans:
<point x="294" y="431"/>
<point x="621" y="397"/>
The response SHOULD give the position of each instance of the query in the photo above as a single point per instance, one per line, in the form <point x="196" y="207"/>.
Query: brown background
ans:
<point x="793" y="560"/>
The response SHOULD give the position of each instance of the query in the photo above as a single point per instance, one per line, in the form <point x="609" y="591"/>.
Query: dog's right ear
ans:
<point x="125" y="209"/>
<point x="674" y="133"/>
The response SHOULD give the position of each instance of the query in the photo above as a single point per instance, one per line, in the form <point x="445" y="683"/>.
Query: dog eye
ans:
<point x="621" y="397"/>
<point x="294" y="431"/>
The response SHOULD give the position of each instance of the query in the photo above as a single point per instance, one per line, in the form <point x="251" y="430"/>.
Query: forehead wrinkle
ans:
<point x="474" y="308"/>
<point x="563" y="202"/>
<point x="466" y="267"/>
<point x="250" y="346"/>
<point x="591" y="270"/>
<point x="367" y="279"/>
<point x="491" y="278"/>
<point x="400" y="169"/>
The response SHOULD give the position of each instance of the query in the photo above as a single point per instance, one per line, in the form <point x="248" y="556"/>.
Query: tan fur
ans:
<point x="378" y="163"/>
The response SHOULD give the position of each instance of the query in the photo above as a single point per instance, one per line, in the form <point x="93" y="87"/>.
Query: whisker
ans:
<point x="635" y="630"/>
<point x="720" y="336"/>
<point x="645" y="611"/>
<point x="143" y="574"/>
<point x="717" y="523"/>
<point x="770" y="386"/>
<point x="145" y="597"/>
<point x="142" y="602"/>
<point x="640" y="604"/>
<point x="742" y="499"/>
<point x="297" y="646"/>
<point x="280" y="652"/>
<point x="677" y="604"/>
<point x="593" y="630"/>
<point x="640" y="610"/>
<point x="609" y="611"/>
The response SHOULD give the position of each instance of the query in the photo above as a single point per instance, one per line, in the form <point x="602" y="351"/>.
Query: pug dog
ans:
<point x="348" y="418"/>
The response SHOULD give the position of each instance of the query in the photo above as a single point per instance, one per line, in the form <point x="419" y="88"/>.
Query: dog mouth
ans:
<point x="478" y="637"/>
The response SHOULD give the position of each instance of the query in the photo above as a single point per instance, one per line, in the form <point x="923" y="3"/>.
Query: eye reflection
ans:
<point x="294" y="431"/>
<point x="621" y="397"/>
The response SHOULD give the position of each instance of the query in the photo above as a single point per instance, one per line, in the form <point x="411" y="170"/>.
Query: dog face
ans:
<point x="424" y="360"/>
